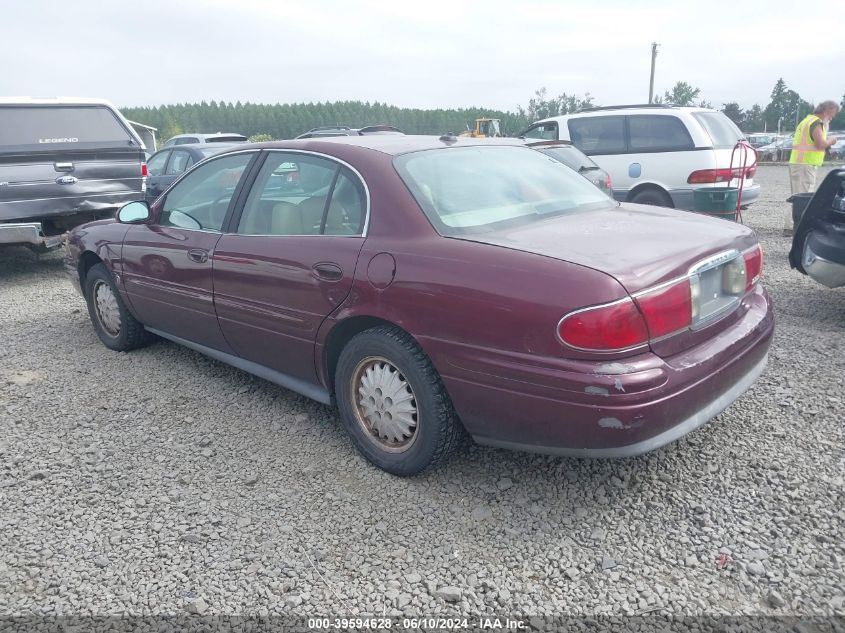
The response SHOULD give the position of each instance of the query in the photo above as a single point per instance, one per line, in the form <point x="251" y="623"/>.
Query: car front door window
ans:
<point x="201" y="199"/>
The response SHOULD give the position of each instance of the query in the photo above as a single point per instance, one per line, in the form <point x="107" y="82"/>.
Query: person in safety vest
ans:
<point x="808" y="147"/>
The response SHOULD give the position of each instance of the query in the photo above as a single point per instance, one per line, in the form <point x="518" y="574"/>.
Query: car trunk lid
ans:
<point x="642" y="247"/>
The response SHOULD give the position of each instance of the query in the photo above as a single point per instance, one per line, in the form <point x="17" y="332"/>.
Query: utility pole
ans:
<point x="651" y="80"/>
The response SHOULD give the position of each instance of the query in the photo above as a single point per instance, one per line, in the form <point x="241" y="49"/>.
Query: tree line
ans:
<point x="280" y="121"/>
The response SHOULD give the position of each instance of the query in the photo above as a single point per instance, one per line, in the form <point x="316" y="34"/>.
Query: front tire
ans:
<point x="115" y="326"/>
<point x="654" y="197"/>
<point x="393" y="403"/>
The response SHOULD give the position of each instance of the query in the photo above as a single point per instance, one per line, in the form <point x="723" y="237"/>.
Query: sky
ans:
<point x="431" y="54"/>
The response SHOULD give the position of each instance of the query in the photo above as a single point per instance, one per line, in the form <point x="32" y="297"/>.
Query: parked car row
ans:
<point x="435" y="287"/>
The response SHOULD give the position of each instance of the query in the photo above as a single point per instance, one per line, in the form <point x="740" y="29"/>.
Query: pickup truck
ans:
<point x="64" y="162"/>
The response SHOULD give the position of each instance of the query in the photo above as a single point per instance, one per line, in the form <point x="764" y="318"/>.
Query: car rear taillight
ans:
<point x="611" y="327"/>
<point x="609" y="182"/>
<point x="753" y="266"/>
<point x="712" y="176"/>
<point x="668" y="309"/>
<point x="144" y="172"/>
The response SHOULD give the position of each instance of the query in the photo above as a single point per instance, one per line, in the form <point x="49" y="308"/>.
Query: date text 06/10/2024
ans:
<point x="457" y="624"/>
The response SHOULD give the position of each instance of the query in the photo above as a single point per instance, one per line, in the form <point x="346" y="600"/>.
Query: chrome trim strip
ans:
<point x="36" y="183"/>
<point x="81" y="195"/>
<point x="713" y="261"/>
<point x="309" y="390"/>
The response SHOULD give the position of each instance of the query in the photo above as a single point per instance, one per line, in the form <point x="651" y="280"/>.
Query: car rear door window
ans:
<point x="201" y="199"/>
<point x="156" y="165"/>
<point x="654" y="133"/>
<point x="178" y="162"/>
<point x="598" y="134"/>
<point x="301" y="194"/>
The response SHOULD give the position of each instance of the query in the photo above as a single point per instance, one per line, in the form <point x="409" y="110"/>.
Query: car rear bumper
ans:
<point x="684" y="198"/>
<point x="681" y="428"/>
<point x="822" y="269"/>
<point x="28" y="233"/>
<point x="618" y="409"/>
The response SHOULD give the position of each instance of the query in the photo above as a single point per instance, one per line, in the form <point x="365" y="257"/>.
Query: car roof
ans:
<point x="344" y="130"/>
<point x="659" y="109"/>
<point x="392" y="144"/>
<point x="54" y="101"/>
<point x="201" y="146"/>
<point x="205" y="135"/>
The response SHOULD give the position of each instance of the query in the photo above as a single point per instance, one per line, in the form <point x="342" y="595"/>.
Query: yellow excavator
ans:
<point x="484" y="128"/>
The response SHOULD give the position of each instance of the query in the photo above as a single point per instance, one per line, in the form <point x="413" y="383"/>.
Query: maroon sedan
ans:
<point x="431" y="287"/>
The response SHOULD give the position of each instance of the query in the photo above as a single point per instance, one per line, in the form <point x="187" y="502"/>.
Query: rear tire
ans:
<point x="394" y="404"/>
<point x="115" y="326"/>
<point x="654" y="197"/>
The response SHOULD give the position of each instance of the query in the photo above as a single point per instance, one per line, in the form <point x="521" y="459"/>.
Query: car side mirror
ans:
<point x="136" y="212"/>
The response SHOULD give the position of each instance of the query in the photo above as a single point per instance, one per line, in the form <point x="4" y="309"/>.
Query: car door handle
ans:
<point x="328" y="271"/>
<point x="198" y="255"/>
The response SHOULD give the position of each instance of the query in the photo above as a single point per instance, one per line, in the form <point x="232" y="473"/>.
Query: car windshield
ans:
<point x="570" y="156"/>
<point x="466" y="190"/>
<point x="723" y="132"/>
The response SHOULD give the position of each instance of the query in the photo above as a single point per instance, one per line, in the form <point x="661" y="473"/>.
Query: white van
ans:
<point x="656" y="154"/>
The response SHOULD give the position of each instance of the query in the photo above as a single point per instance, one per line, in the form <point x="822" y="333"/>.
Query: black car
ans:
<point x="574" y="158"/>
<point x="169" y="163"/>
<point x="818" y="247"/>
<point x="342" y="130"/>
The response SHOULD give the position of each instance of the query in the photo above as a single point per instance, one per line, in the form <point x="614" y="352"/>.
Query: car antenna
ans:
<point x="449" y="138"/>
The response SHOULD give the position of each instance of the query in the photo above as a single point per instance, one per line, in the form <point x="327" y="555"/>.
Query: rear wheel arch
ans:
<point x="341" y="334"/>
<point x="650" y="190"/>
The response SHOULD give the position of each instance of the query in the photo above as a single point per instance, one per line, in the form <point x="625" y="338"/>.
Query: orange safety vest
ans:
<point x="804" y="151"/>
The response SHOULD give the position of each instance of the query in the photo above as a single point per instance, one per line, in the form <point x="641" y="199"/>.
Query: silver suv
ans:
<point x="656" y="154"/>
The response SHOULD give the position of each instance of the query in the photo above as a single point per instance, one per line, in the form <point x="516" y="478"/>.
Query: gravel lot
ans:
<point x="160" y="481"/>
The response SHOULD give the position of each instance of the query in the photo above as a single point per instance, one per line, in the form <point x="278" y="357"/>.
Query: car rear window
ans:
<point x="466" y="190"/>
<point x="570" y="156"/>
<point x="722" y="131"/>
<point x="546" y="131"/>
<point x="61" y="127"/>
<point x="210" y="151"/>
